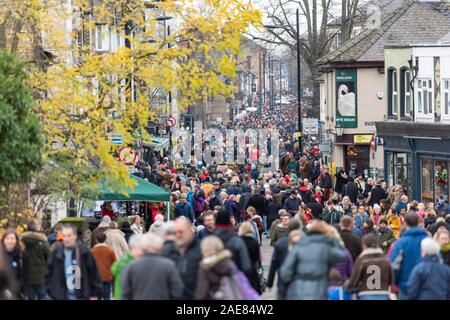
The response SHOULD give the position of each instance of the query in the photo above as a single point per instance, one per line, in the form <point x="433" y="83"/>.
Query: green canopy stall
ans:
<point x="143" y="191"/>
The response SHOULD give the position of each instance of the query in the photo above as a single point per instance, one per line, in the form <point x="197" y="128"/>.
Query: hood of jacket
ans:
<point x="415" y="232"/>
<point x="372" y="251"/>
<point x="31" y="238"/>
<point x="211" y="262"/>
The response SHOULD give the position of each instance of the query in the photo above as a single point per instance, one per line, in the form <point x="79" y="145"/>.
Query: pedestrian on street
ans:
<point x="252" y="244"/>
<point x="137" y="249"/>
<point x="281" y="229"/>
<point x="372" y="256"/>
<point x="136" y="225"/>
<point x="38" y="249"/>
<point x="430" y="278"/>
<point x="66" y="262"/>
<point x="18" y="261"/>
<point x="159" y="226"/>
<point x="306" y="268"/>
<point x="104" y="258"/>
<point x="351" y="241"/>
<point x="115" y="239"/>
<point x="184" y="209"/>
<point x="407" y="253"/>
<point x="190" y="255"/>
<point x="152" y="276"/>
<point x="215" y="265"/>
<point x="292" y="204"/>
<point x="385" y="236"/>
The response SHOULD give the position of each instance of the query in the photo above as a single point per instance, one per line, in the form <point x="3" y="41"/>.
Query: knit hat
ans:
<point x="223" y="217"/>
<point x="401" y="205"/>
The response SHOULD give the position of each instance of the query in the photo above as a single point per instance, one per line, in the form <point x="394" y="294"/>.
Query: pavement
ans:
<point x="266" y="251"/>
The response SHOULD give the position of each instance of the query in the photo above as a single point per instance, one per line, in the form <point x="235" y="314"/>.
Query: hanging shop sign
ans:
<point x="346" y="98"/>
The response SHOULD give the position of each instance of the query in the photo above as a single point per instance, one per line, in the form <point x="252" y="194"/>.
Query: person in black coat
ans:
<point x="18" y="261"/>
<point x="190" y="256"/>
<point x="126" y="229"/>
<point x="341" y="181"/>
<point x="352" y="242"/>
<point x="252" y="244"/>
<point x="315" y="207"/>
<point x="257" y="201"/>
<point x="377" y="194"/>
<point x="351" y="190"/>
<point x="78" y="256"/>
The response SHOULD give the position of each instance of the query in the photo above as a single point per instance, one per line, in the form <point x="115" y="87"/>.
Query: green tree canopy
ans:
<point x="20" y="132"/>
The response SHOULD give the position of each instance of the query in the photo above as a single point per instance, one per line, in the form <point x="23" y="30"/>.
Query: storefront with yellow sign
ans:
<point x="358" y="154"/>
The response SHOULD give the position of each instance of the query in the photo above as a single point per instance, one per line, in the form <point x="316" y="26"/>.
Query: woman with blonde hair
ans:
<point x="215" y="265"/>
<point x="246" y="232"/>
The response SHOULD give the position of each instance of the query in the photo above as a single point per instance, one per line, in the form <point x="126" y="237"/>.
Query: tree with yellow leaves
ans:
<point x="106" y="64"/>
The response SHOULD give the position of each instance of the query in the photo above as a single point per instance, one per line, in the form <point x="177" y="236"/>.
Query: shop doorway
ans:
<point x="357" y="160"/>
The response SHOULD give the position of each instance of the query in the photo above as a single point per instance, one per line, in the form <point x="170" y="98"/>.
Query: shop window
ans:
<point x="392" y="92"/>
<point x="390" y="168"/>
<point x="440" y="179"/>
<point x="405" y="92"/>
<point x="427" y="179"/>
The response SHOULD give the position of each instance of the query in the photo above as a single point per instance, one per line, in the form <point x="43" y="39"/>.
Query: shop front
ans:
<point x="356" y="154"/>
<point x="417" y="162"/>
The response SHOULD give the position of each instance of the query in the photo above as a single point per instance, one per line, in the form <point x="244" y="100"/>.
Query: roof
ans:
<point x="416" y="22"/>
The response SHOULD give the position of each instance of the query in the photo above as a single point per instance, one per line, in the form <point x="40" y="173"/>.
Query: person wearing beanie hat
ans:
<point x="232" y="241"/>
<point x="401" y="205"/>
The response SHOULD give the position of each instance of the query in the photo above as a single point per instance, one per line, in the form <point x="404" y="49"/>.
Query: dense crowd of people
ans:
<point x="337" y="238"/>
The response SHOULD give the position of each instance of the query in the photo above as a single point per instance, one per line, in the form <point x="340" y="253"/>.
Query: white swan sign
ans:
<point x="346" y="98"/>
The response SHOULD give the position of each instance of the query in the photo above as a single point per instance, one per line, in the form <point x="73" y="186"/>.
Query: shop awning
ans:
<point x="143" y="191"/>
<point x="158" y="143"/>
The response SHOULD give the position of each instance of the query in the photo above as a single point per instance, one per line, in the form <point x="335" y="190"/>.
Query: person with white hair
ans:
<point x="158" y="227"/>
<point x="430" y="279"/>
<point x="152" y="276"/>
<point x="137" y="247"/>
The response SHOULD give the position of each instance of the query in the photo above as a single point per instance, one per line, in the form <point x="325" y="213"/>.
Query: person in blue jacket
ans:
<point x="430" y="279"/>
<point x="407" y="253"/>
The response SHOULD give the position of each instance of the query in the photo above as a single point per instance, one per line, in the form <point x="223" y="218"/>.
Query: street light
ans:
<point x="299" y="88"/>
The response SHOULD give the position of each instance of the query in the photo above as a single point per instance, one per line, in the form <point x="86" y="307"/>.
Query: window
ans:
<point x="427" y="179"/>
<point x="393" y="93"/>
<point x="338" y="39"/>
<point x="405" y="92"/>
<point x="446" y="97"/>
<point x="102" y="37"/>
<point x="425" y="97"/>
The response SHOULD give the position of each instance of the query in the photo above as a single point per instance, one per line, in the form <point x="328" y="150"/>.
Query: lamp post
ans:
<point x="299" y="88"/>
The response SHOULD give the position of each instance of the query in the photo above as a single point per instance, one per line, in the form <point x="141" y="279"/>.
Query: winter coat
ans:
<point x="306" y="268"/>
<point x="255" y="259"/>
<point x="38" y="250"/>
<point x="306" y="170"/>
<point x="116" y="240"/>
<point x="243" y="201"/>
<point x="127" y="232"/>
<point x="277" y="233"/>
<point x="237" y="247"/>
<point x="169" y="250"/>
<point x="352" y="243"/>
<point x="184" y="209"/>
<point x="305" y="194"/>
<point x="272" y="212"/>
<point x="104" y="258"/>
<point x="345" y="266"/>
<point x="200" y="205"/>
<point x="333" y="217"/>
<point x="406" y="255"/>
<point x="350" y="190"/>
<point x="259" y="202"/>
<point x="395" y="222"/>
<point x="385" y="235"/>
<point x="377" y="194"/>
<point x="362" y="273"/>
<point x="56" y="285"/>
<point x="232" y="208"/>
<point x="187" y="265"/>
<point x="316" y="209"/>
<point x="210" y="272"/>
<point x="325" y="181"/>
<point x="151" y="277"/>
<point x="20" y="266"/>
<point x="340" y="183"/>
<point x="315" y="173"/>
<point x="159" y="228"/>
<point x="117" y="270"/>
<point x="280" y="253"/>
<point x="292" y="205"/>
<point x="429" y="280"/>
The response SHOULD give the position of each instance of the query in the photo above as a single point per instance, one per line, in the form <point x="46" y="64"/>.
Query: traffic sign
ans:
<point x="117" y="139"/>
<point x="128" y="155"/>
<point x="297" y="135"/>
<point x="171" y="121"/>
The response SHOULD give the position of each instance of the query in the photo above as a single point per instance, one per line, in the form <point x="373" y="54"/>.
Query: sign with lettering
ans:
<point x="346" y="98"/>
